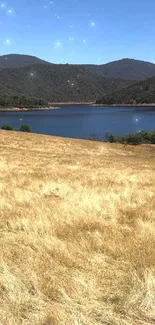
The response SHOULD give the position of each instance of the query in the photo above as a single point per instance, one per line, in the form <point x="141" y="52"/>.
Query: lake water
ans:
<point x="79" y="121"/>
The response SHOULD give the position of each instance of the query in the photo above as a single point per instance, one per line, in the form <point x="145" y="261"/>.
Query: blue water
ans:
<point x="79" y="121"/>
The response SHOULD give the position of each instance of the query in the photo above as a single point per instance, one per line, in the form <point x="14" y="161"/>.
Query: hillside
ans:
<point x="91" y="262"/>
<point x="125" y="69"/>
<point x="14" y="101"/>
<point x="31" y="77"/>
<point x="138" y="93"/>
<point x="18" y="60"/>
<point x="56" y="83"/>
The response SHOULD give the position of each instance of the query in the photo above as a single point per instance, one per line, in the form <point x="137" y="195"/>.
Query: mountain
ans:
<point x="18" y="60"/>
<point x="114" y="82"/>
<point x="57" y="83"/>
<point x="142" y="92"/>
<point x="125" y="69"/>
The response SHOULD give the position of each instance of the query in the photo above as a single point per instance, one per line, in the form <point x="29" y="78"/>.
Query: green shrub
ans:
<point x="121" y="139"/>
<point x="7" y="127"/>
<point x="25" y="128"/>
<point x="152" y="137"/>
<point x="134" y="139"/>
<point x="111" y="138"/>
<point x="137" y="138"/>
<point x="146" y="136"/>
<point x="131" y="138"/>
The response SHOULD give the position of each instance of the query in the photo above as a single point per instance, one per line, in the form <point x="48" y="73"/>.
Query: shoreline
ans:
<point x="55" y="106"/>
<point x="72" y="103"/>
<point x="126" y="105"/>
<point x="23" y="109"/>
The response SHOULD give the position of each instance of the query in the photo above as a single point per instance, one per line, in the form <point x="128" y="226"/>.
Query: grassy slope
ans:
<point x="77" y="232"/>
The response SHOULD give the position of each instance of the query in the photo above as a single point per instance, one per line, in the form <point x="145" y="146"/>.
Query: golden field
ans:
<point x="77" y="232"/>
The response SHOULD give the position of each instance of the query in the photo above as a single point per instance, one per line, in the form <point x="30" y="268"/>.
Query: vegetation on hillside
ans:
<point x="23" y="128"/>
<point x="7" y="127"/>
<point x="77" y="83"/>
<point x="10" y="101"/>
<point x="140" y="137"/>
<point x="77" y="232"/>
<point x="57" y="83"/>
<point x="74" y="83"/>
<point x="142" y="92"/>
<point x="125" y="69"/>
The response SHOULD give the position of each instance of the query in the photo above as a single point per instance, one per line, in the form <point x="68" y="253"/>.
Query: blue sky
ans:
<point x="79" y="31"/>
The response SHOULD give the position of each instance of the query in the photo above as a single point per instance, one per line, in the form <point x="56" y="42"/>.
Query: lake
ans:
<point x="79" y="121"/>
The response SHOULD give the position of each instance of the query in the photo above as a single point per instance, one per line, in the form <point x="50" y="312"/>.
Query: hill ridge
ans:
<point x="131" y="69"/>
<point x="126" y="68"/>
<point x="19" y="60"/>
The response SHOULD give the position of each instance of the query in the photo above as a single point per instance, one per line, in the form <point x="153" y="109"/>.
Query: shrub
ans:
<point x="111" y="138"/>
<point x="137" y="138"/>
<point x="146" y="136"/>
<point x="134" y="139"/>
<point x="152" y="137"/>
<point x="121" y="139"/>
<point x="131" y="138"/>
<point x="25" y="128"/>
<point x="127" y="139"/>
<point x="7" y="127"/>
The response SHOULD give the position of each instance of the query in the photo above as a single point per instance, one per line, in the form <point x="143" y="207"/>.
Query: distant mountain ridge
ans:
<point x="130" y="69"/>
<point x="125" y="69"/>
<point x="114" y="82"/>
<point x="19" y="60"/>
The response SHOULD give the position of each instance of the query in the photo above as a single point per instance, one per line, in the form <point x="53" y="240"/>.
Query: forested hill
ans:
<point x="139" y="93"/>
<point x="77" y="83"/>
<point x="18" y="60"/>
<point x="57" y="83"/>
<point x="125" y="69"/>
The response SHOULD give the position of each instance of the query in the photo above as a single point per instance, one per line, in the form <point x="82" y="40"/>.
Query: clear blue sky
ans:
<point x="79" y="31"/>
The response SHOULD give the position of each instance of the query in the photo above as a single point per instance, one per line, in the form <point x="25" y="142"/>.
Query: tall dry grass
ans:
<point x="77" y="232"/>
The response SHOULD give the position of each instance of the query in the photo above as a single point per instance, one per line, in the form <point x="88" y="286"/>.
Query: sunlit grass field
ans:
<point x="77" y="232"/>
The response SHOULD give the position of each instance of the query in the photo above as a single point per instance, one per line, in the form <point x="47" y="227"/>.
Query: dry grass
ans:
<point x="77" y="232"/>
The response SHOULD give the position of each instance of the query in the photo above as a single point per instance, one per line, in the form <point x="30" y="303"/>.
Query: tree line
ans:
<point x="10" y="101"/>
<point x="142" y="92"/>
